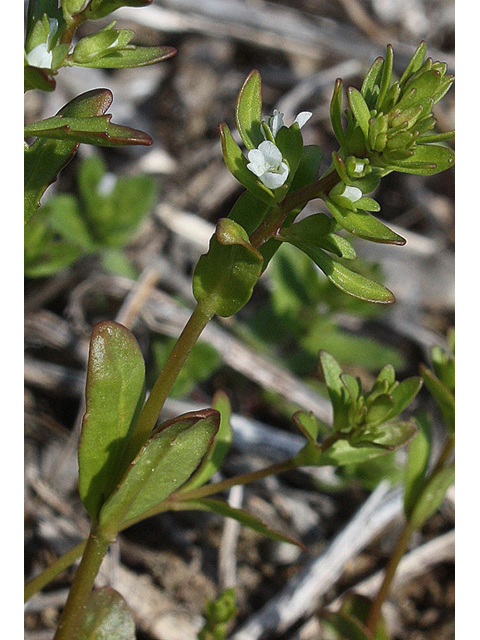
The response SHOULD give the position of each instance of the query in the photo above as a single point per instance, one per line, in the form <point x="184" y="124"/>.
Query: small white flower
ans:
<point x="275" y="122"/>
<point x="352" y="193"/>
<point x="40" y="56"/>
<point x="267" y="164"/>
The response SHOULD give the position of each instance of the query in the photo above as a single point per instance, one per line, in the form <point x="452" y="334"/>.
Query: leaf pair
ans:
<point x="121" y="477"/>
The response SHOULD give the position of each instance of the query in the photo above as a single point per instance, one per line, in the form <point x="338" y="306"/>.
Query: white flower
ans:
<point x="266" y="163"/>
<point x="275" y="122"/>
<point x="352" y="193"/>
<point x="40" y="56"/>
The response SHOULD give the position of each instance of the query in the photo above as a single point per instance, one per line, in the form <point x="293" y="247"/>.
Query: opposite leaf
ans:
<point x="248" y="110"/>
<point x="167" y="460"/>
<point x="114" y="391"/>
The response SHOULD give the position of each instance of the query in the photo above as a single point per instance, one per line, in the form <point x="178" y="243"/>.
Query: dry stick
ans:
<point x="227" y="552"/>
<point x="302" y="594"/>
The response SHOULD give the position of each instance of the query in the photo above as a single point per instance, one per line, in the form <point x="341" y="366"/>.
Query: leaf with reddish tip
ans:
<point x="97" y="130"/>
<point x="130" y="58"/>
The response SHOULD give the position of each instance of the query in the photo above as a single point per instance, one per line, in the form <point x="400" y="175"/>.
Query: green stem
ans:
<point x="95" y="549"/>
<point x="398" y="552"/>
<point x="163" y="385"/>
<point x="246" y="478"/>
<point x="53" y="570"/>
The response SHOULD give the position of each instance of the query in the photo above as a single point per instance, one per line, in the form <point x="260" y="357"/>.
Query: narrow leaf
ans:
<point x="248" y="111"/>
<point x="417" y="464"/>
<point x="432" y="496"/>
<point x="115" y="388"/>
<point x="443" y="396"/>
<point x="346" y="280"/>
<point x="360" y="109"/>
<point x="130" y="57"/>
<point x="426" y="160"/>
<point x="362" y="224"/>
<point x="336" y="112"/>
<point x="242" y="516"/>
<point x="386" y="77"/>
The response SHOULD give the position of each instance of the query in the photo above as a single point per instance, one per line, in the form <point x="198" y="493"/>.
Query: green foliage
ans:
<point x="364" y="425"/>
<point x="166" y="460"/>
<point x="106" y="616"/>
<point x="218" y="614"/>
<point x="115" y="390"/>
<point x="224" y="277"/>
<point x="105" y="216"/>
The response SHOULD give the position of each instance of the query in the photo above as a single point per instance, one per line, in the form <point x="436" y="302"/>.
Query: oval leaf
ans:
<point x="432" y="496"/>
<point x="114" y="392"/>
<point x="167" y="460"/>
<point x="417" y="464"/>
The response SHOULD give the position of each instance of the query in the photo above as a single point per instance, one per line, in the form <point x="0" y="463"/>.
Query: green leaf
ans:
<point x="36" y="9"/>
<point x="221" y="443"/>
<point x="101" y="8"/>
<point x="242" y="516"/>
<point x="337" y="391"/>
<point x="371" y="82"/>
<point x="317" y="230"/>
<point x="114" y="392"/>
<point x="416" y="62"/>
<point x="427" y="159"/>
<point x="237" y="165"/>
<point x="336" y="112"/>
<point x="385" y="78"/>
<point x="129" y="58"/>
<point x="249" y="212"/>
<point x="248" y="111"/>
<point x="360" y="109"/>
<point x="379" y="410"/>
<point x="362" y="224"/>
<point x="432" y="496"/>
<point x="44" y="159"/>
<point x="403" y="394"/>
<point x="308" y="425"/>
<point x="96" y="130"/>
<point x="226" y="275"/>
<point x="35" y="78"/>
<point x="443" y="396"/>
<point x="290" y="142"/>
<point x="106" y="616"/>
<point x="167" y="460"/>
<point x="346" y="280"/>
<point x="381" y="440"/>
<point x="308" y="167"/>
<point x="417" y="464"/>
<point x="66" y="218"/>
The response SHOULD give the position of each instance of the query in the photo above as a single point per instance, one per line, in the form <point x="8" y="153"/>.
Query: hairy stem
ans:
<point x="95" y="548"/>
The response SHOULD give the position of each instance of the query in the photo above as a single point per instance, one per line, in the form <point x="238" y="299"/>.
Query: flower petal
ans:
<point x="40" y="57"/>
<point x="302" y="118"/>
<point x="257" y="164"/>
<point x="274" y="180"/>
<point x="271" y="153"/>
